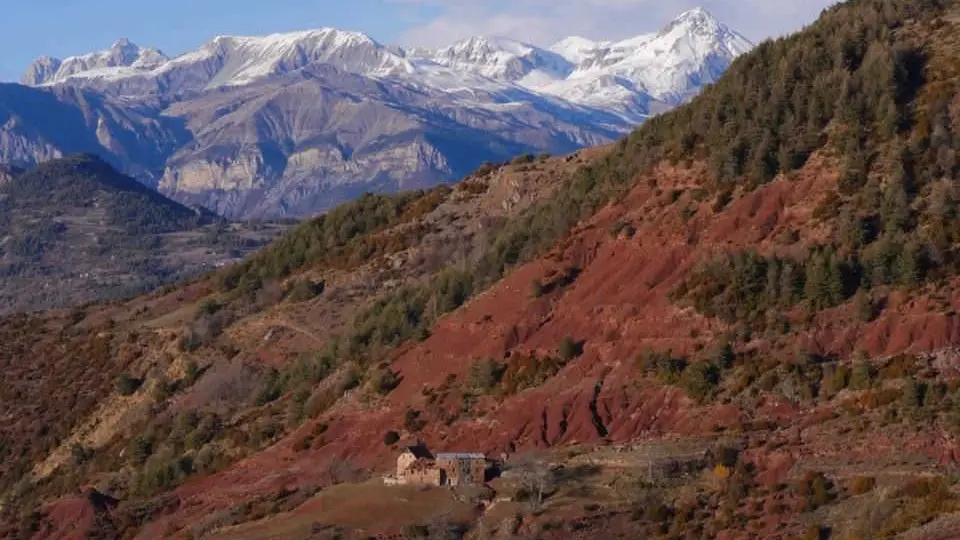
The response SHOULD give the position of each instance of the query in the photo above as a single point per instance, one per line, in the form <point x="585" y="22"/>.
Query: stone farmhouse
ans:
<point x="417" y="466"/>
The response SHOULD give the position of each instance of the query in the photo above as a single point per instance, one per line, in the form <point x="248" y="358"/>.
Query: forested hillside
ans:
<point x="739" y="322"/>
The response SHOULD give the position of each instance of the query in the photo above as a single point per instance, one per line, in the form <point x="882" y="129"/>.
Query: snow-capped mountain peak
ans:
<point x="122" y="54"/>
<point x="500" y="58"/>
<point x="697" y="16"/>
<point x="245" y="59"/>
<point x="667" y="66"/>
<point x="576" y="49"/>
<point x="704" y="31"/>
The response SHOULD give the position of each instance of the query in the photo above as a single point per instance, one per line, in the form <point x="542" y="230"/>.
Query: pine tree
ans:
<point x="942" y="200"/>
<point x="815" y="288"/>
<point x="864" y="304"/>
<point x="871" y="194"/>
<point x="861" y="378"/>
<point x="912" y="394"/>
<point x="851" y="231"/>
<point x="764" y="165"/>
<point x="890" y="123"/>
<point x="907" y="265"/>
<point x="895" y="210"/>
<point x="881" y="264"/>
<point x="854" y="173"/>
<point x="834" y="282"/>
<point x="772" y="289"/>
<point x="789" y="284"/>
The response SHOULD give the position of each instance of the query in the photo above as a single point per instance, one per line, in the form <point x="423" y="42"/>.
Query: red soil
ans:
<point x="619" y="306"/>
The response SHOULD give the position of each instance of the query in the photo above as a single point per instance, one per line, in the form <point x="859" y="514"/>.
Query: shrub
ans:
<point x="523" y="159"/>
<point x="623" y="227"/>
<point x="203" y="331"/>
<point x="141" y="448"/>
<point x="391" y="438"/>
<point x="384" y="381"/>
<point x="523" y="372"/>
<point x="536" y="288"/>
<point x="127" y="385"/>
<point x="816" y="532"/>
<point x="722" y="354"/>
<point x="862" y="375"/>
<point x="727" y="456"/>
<point x="162" y="389"/>
<point x="485" y="375"/>
<point x="913" y="394"/>
<point x="487" y="168"/>
<point x="318" y="402"/>
<point x="80" y="454"/>
<point x="666" y="368"/>
<point x="305" y="290"/>
<point x="209" y="307"/>
<point x="699" y="380"/>
<point x="721" y="472"/>
<point x="163" y="471"/>
<point x="412" y="421"/>
<point x="409" y="313"/>
<point x="836" y="380"/>
<point x="206" y="460"/>
<point x="814" y="490"/>
<point x="936" y="487"/>
<point x="272" y="388"/>
<point x="349" y="380"/>
<point x="191" y="372"/>
<point x="863" y="484"/>
<point x="205" y="431"/>
<point x="569" y="349"/>
<point x="303" y="444"/>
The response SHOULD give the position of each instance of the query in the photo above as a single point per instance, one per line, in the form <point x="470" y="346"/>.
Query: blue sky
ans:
<point x="30" y="28"/>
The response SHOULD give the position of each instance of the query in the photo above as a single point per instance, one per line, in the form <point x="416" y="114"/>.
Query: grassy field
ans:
<point x="355" y="507"/>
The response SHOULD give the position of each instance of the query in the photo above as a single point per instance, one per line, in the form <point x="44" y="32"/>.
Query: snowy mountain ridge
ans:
<point x="624" y="77"/>
<point x="292" y="124"/>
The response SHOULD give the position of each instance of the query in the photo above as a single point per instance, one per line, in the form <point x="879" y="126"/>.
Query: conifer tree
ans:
<point x="834" y="284"/>
<point x="789" y="284"/>
<point x="907" y="265"/>
<point x="772" y="289"/>
<point x="881" y="264"/>
<point x="815" y="287"/>
<point x="896" y="210"/>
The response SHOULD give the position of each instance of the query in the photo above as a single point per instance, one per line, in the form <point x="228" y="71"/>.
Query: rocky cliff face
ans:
<point x="40" y="124"/>
<point x="291" y="124"/>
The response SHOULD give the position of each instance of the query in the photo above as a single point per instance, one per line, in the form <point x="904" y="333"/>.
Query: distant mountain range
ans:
<point x="290" y="124"/>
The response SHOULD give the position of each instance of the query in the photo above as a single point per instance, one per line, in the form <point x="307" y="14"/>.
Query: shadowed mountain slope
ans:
<point x="75" y="230"/>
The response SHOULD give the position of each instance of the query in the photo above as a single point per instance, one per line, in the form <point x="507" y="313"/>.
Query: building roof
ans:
<point x="460" y="455"/>
<point x="419" y="451"/>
